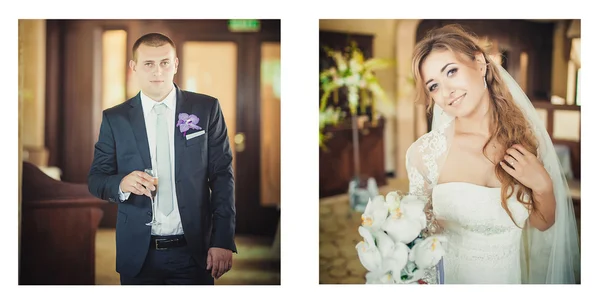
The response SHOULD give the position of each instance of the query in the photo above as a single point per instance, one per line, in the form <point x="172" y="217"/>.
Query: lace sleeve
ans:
<point x="424" y="159"/>
<point x="420" y="184"/>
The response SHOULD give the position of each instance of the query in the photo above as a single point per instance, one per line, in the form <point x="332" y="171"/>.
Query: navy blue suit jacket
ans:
<point x="203" y="178"/>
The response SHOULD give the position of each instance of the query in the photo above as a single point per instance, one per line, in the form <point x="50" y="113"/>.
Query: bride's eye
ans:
<point x="452" y="71"/>
<point x="432" y="87"/>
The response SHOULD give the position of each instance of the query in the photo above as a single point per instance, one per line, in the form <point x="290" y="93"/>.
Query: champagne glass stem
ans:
<point x="153" y="205"/>
<point x="153" y="196"/>
<point x="154" y="209"/>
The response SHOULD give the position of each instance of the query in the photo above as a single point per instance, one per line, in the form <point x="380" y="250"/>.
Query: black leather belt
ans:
<point x="166" y="242"/>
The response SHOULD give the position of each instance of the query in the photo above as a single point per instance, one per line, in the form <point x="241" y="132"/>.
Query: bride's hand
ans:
<point x="527" y="169"/>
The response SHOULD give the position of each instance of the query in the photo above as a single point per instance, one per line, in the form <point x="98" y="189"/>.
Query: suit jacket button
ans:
<point x="149" y="213"/>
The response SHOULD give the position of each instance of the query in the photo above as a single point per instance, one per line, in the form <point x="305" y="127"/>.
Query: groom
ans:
<point x="181" y="135"/>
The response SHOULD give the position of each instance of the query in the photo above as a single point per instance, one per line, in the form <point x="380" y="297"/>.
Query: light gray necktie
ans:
<point x="163" y="160"/>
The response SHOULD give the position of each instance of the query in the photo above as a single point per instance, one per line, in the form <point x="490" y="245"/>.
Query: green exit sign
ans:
<point x="244" y="25"/>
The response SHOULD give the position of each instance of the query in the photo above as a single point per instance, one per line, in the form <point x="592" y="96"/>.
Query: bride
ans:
<point x="489" y="170"/>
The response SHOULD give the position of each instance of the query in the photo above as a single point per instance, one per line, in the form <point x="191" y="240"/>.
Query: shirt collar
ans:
<point x="148" y="103"/>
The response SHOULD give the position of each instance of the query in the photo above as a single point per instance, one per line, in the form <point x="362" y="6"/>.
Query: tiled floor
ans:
<point x="257" y="263"/>
<point x="338" y="236"/>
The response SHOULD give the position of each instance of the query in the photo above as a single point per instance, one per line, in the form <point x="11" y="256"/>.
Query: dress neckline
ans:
<point x="468" y="183"/>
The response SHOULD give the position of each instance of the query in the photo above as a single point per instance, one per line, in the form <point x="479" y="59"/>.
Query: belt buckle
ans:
<point x="156" y="244"/>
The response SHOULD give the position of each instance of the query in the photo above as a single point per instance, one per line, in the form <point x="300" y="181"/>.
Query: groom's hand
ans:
<point x="137" y="182"/>
<point x="219" y="260"/>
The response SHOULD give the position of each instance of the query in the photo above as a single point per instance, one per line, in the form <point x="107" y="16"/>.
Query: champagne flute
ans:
<point x="152" y="173"/>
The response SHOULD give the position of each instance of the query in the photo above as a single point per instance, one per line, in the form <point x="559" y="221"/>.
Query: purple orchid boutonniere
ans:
<point x="187" y="122"/>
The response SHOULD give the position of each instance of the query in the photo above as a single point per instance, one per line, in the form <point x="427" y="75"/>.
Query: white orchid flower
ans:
<point x="353" y="80"/>
<point x="428" y="252"/>
<point x="390" y="269"/>
<point x="387" y="267"/>
<point x="379" y="278"/>
<point x="398" y="260"/>
<point x="414" y="207"/>
<point x="340" y="61"/>
<point x="388" y="224"/>
<point x="394" y="256"/>
<point x="355" y="66"/>
<point x="375" y="214"/>
<point x="403" y="230"/>
<point x="385" y="244"/>
<point x="392" y="201"/>
<point x="409" y="206"/>
<point x="368" y="254"/>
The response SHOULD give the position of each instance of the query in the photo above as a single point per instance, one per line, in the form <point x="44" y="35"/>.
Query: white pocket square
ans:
<point x="195" y="134"/>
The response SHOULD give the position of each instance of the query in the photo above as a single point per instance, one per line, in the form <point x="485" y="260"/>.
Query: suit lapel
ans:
<point x="183" y="106"/>
<point x="136" y="117"/>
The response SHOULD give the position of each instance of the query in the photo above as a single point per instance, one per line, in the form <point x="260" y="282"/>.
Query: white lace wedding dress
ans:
<point x="483" y="242"/>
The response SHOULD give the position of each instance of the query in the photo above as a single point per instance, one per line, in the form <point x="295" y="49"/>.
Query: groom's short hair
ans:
<point x="153" y="39"/>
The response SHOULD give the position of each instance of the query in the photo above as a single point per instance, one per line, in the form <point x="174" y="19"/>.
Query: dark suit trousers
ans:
<point x="170" y="266"/>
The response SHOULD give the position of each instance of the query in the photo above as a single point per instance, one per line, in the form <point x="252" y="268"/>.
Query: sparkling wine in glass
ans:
<point x="152" y="173"/>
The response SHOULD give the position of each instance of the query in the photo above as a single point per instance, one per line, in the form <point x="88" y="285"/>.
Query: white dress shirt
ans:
<point x="171" y="224"/>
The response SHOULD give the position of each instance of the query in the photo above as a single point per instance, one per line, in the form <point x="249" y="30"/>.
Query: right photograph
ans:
<point x="449" y="151"/>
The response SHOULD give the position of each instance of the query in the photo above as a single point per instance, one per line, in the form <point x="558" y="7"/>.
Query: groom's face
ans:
<point x="454" y="83"/>
<point x="155" y="68"/>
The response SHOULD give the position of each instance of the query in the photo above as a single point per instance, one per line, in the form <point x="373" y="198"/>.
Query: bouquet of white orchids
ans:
<point x="394" y="249"/>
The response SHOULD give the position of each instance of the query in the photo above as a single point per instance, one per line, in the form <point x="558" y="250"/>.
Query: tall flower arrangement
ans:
<point x="356" y="74"/>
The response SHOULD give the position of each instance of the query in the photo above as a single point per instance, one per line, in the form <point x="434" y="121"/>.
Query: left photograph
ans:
<point x="149" y="152"/>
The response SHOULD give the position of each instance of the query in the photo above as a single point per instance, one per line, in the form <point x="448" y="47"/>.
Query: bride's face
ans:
<point x="456" y="85"/>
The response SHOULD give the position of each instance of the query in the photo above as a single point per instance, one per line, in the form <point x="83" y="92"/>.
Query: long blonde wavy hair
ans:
<point x="509" y="125"/>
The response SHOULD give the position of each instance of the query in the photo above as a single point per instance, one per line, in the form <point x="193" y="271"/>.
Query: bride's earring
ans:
<point x="484" y="83"/>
